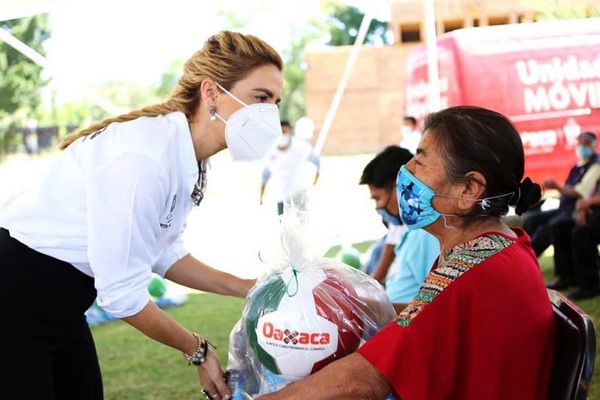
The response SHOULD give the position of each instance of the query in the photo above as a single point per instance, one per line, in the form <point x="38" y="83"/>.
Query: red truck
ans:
<point x="544" y="76"/>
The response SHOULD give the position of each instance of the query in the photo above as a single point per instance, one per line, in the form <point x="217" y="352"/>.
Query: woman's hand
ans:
<point x="212" y="377"/>
<point x="156" y="324"/>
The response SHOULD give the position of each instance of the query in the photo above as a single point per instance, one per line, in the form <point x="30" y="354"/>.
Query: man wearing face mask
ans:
<point x="580" y="181"/>
<point x="288" y="169"/>
<point x="402" y="258"/>
<point x="410" y="134"/>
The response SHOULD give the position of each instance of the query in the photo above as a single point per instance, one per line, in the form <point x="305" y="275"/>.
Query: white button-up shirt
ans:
<point x="114" y="205"/>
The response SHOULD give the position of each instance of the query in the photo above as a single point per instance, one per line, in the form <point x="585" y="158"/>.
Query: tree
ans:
<point x="565" y="9"/>
<point x="292" y="105"/>
<point x="342" y="26"/>
<point x="168" y="79"/>
<point x="344" y="23"/>
<point x="128" y="95"/>
<point x="20" y="78"/>
<point x="21" y="81"/>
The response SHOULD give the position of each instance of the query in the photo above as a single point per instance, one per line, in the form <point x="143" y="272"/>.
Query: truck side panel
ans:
<point x="544" y="76"/>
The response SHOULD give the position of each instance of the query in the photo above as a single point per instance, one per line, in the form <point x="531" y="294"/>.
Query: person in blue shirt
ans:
<point x="406" y="257"/>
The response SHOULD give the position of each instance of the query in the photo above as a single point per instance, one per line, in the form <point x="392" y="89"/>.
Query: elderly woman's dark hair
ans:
<point x="477" y="139"/>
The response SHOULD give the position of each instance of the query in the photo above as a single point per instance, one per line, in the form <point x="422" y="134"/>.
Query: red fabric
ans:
<point x="489" y="335"/>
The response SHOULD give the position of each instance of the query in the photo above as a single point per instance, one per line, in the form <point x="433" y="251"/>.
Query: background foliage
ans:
<point x="343" y="25"/>
<point x="22" y="81"/>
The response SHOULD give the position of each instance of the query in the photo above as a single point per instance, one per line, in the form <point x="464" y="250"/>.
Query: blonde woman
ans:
<point x="111" y="211"/>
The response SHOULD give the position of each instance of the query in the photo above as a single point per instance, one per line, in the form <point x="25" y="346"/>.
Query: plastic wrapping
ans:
<point x="301" y="315"/>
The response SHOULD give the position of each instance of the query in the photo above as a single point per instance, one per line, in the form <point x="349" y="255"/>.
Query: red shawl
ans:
<point x="481" y="327"/>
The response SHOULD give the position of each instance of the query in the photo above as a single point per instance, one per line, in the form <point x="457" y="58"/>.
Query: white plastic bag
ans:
<point x="301" y="315"/>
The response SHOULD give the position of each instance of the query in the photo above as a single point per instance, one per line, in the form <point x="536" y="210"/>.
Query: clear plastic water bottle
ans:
<point x="241" y="379"/>
<point x="236" y="382"/>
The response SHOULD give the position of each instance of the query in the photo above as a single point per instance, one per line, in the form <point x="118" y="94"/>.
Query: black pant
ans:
<point x="46" y="348"/>
<point x="538" y="224"/>
<point x="561" y="233"/>
<point x="585" y="239"/>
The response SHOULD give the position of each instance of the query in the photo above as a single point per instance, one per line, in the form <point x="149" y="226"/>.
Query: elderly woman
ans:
<point x="481" y="326"/>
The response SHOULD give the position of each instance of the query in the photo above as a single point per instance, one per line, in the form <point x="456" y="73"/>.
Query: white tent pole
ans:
<point x="43" y="62"/>
<point x="337" y="98"/>
<point x="23" y="48"/>
<point x="434" y="101"/>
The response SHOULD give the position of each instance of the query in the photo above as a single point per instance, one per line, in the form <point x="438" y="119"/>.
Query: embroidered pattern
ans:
<point x="451" y="266"/>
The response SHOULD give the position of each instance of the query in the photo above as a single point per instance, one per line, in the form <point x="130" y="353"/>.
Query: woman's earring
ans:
<point x="212" y="110"/>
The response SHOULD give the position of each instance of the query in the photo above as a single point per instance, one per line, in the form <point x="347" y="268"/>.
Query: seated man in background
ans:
<point x="407" y="256"/>
<point x="576" y="247"/>
<point x="579" y="182"/>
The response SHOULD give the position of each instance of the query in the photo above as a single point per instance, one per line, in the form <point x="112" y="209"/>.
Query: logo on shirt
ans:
<point x="93" y="135"/>
<point x="166" y="224"/>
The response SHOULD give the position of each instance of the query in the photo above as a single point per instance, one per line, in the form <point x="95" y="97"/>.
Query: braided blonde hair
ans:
<point x="226" y="57"/>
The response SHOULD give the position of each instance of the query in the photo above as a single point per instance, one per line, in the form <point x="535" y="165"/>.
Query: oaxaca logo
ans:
<point x="288" y="336"/>
<point x="294" y="331"/>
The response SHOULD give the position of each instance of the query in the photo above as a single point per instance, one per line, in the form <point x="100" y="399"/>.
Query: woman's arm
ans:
<point x="158" y="325"/>
<point x="194" y="274"/>
<point x="351" y="377"/>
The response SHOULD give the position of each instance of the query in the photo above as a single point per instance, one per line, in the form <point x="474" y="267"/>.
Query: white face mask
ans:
<point x="406" y="130"/>
<point x="251" y="131"/>
<point x="285" y="140"/>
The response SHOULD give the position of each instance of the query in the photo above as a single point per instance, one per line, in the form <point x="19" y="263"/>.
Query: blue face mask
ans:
<point x="414" y="200"/>
<point x="584" y="151"/>
<point x="387" y="217"/>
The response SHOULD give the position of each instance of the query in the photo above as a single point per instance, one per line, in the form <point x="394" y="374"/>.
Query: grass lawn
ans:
<point x="134" y="367"/>
<point x="137" y="368"/>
